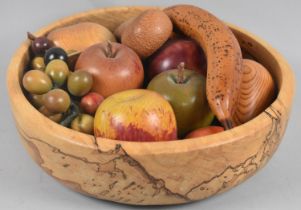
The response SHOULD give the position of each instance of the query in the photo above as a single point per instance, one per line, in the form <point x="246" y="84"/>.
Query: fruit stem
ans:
<point x="109" y="50"/>
<point x="70" y="115"/>
<point x="227" y="124"/>
<point x="180" y="77"/>
<point x="31" y="36"/>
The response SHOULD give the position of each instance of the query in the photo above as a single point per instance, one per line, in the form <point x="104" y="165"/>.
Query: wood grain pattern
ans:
<point x="157" y="173"/>
<point x="257" y="91"/>
<point x="80" y="36"/>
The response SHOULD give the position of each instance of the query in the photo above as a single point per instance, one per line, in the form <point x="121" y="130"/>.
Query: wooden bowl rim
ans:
<point x="143" y="148"/>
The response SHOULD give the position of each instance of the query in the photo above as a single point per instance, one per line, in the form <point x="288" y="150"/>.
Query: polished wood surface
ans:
<point x="80" y="36"/>
<point x="257" y="91"/>
<point x="159" y="172"/>
<point x="224" y="57"/>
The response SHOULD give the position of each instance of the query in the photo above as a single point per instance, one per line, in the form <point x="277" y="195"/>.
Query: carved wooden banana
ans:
<point x="223" y="56"/>
<point x="257" y="91"/>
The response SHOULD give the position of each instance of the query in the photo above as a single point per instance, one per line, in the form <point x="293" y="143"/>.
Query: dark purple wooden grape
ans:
<point x="39" y="45"/>
<point x="55" y="53"/>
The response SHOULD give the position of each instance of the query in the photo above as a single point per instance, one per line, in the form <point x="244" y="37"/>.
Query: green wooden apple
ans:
<point x="185" y="90"/>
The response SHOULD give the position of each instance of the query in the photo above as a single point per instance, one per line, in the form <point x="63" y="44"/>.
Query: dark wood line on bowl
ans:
<point x="264" y="153"/>
<point x="246" y="168"/>
<point x="158" y="184"/>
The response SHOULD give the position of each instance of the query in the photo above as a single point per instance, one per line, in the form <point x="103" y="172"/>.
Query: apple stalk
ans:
<point x="180" y="76"/>
<point x="109" y="50"/>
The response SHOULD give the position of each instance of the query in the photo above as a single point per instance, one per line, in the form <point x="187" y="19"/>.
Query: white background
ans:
<point x="23" y="185"/>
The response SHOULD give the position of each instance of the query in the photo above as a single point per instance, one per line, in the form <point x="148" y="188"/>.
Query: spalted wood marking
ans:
<point x="233" y="175"/>
<point x="146" y="173"/>
<point x="116" y="179"/>
<point x="106" y="183"/>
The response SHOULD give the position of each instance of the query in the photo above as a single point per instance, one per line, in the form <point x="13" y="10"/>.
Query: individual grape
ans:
<point x="54" y="117"/>
<point x="58" y="71"/>
<point x="57" y="101"/>
<point x="79" y="83"/>
<point x="38" y="63"/>
<point x="39" y="45"/>
<point x="36" y="100"/>
<point x="36" y="82"/>
<point x="55" y="53"/>
<point x="83" y="123"/>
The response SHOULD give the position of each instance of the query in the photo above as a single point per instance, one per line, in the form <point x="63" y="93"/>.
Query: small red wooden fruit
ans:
<point x="90" y="102"/>
<point x="204" y="132"/>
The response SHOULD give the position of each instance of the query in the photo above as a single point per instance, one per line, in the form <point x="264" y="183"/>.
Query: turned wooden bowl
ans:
<point x="157" y="173"/>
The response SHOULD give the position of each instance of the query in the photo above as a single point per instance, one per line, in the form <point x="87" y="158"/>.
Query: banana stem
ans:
<point x="227" y="124"/>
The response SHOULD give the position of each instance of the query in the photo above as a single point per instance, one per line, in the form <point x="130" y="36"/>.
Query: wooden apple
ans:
<point x="90" y="102"/>
<point x="115" y="67"/>
<point x="185" y="90"/>
<point x="204" y="132"/>
<point x="174" y="52"/>
<point x="135" y="115"/>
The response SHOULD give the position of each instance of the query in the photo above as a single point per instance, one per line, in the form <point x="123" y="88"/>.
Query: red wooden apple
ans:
<point x="114" y="67"/>
<point x="90" y="102"/>
<point x="172" y="53"/>
<point x="204" y="132"/>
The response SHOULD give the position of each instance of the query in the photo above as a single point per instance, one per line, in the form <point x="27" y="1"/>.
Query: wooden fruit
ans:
<point x="36" y="82"/>
<point x="204" y="132"/>
<point x="185" y="90"/>
<point x="39" y="45"/>
<point x="52" y="116"/>
<point x="80" y="36"/>
<point x="172" y="53"/>
<point x="257" y="91"/>
<point x="146" y="33"/>
<point x="136" y="115"/>
<point x="224" y="58"/>
<point x="83" y="123"/>
<point x="114" y="67"/>
<point x="152" y="173"/>
<point x="90" y="102"/>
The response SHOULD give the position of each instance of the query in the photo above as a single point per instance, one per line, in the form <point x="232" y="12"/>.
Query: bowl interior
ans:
<point x="111" y="18"/>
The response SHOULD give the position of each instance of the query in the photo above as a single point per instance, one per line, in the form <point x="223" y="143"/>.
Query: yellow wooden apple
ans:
<point x="135" y="115"/>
